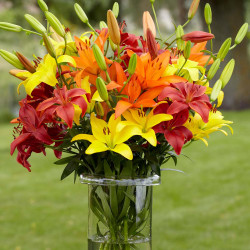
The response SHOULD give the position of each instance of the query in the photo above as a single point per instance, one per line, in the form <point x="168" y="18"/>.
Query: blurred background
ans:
<point x="206" y="208"/>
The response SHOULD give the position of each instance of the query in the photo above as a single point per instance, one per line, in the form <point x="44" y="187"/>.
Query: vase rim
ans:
<point x="143" y="180"/>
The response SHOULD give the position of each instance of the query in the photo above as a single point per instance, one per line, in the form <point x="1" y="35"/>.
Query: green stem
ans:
<point x="65" y="45"/>
<point x="185" y="23"/>
<point x="124" y="85"/>
<point x="208" y="61"/>
<point x="90" y="26"/>
<point x="32" y="32"/>
<point x="179" y="71"/>
<point x="156" y="20"/>
<point x="233" y="47"/>
<point x="211" y="41"/>
<point x="107" y="75"/>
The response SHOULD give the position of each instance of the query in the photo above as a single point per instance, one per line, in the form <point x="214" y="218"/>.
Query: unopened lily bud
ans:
<point x="208" y="14"/>
<point x="99" y="109"/>
<point x="241" y="33"/>
<point x="43" y="6"/>
<point x="11" y="58"/>
<point x="103" y="25"/>
<point x="55" y="23"/>
<point x="113" y="46"/>
<point x="102" y="89"/>
<point x="216" y="90"/>
<point x="179" y="34"/>
<point x="80" y="13"/>
<point x="214" y="68"/>
<point x="10" y="27"/>
<point x="197" y="36"/>
<point x="148" y="23"/>
<point x="132" y="64"/>
<point x="26" y="63"/>
<point x="224" y="49"/>
<point x="152" y="45"/>
<point x="115" y="9"/>
<point x="35" y="24"/>
<point x="55" y="36"/>
<point x="187" y="50"/>
<point x="114" y="31"/>
<point x="49" y="46"/>
<point x="99" y="57"/>
<point x="15" y="72"/>
<point x="193" y="9"/>
<point x="227" y="73"/>
<point x="152" y="1"/>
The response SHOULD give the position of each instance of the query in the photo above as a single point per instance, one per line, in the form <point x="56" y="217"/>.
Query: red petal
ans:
<point x="175" y="139"/>
<point x="176" y="107"/>
<point x="201" y="108"/>
<point x="21" y="138"/>
<point x="66" y="112"/>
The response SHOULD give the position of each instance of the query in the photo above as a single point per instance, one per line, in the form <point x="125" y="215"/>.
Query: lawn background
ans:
<point x="206" y="208"/>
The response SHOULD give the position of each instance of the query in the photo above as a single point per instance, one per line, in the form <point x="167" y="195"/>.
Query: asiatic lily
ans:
<point x="105" y="136"/>
<point x="201" y="130"/>
<point x="144" y="122"/>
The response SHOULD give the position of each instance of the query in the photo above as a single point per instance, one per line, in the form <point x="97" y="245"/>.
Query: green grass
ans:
<point x="205" y="209"/>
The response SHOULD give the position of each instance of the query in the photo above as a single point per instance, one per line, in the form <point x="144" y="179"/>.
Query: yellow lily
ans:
<point x="106" y="137"/>
<point x="144" y="122"/>
<point x="190" y="71"/>
<point x="200" y="129"/>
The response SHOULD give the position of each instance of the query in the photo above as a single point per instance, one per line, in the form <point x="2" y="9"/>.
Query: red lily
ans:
<point x="62" y="104"/>
<point x="174" y="131"/>
<point x="187" y="96"/>
<point x="197" y="36"/>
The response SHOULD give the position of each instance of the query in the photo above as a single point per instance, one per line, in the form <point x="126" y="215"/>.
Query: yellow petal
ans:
<point x="112" y="123"/>
<point x="77" y="114"/>
<point x="85" y="137"/>
<point x="97" y="126"/>
<point x="85" y="84"/>
<point x="96" y="147"/>
<point x="96" y="97"/>
<point x="124" y="150"/>
<point x="150" y="137"/>
<point x="156" y="119"/>
<point x="66" y="59"/>
<point x="126" y="133"/>
<point x="220" y="98"/>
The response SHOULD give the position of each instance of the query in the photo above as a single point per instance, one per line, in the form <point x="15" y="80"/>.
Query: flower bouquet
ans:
<point x="119" y="106"/>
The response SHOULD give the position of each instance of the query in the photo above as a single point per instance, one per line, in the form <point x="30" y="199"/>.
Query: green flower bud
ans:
<point x="132" y="64"/>
<point x="43" y="6"/>
<point x="113" y="46"/>
<point x="55" y="23"/>
<point x="11" y="58"/>
<point x="214" y="68"/>
<point x="49" y="46"/>
<point x="35" y="24"/>
<point x="216" y="90"/>
<point x="116" y="9"/>
<point x="103" y="25"/>
<point x="102" y="89"/>
<point x="241" y="33"/>
<point x="10" y="27"/>
<point x="99" y="57"/>
<point x="227" y="72"/>
<point x="224" y="49"/>
<point x="152" y="1"/>
<point x="80" y="13"/>
<point x="179" y="34"/>
<point x="208" y="14"/>
<point x="193" y="9"/>
<point x="187" y="50"/>
<point x="99" y="109"/>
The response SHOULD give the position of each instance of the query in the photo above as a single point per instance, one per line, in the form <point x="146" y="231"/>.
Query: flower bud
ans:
<point x="10" y="27"/>
<point x="152" y="1"/>
<point x="187" y="50"/>
<point x="214" y="68"/>
<point x="114" y="31"/>
<point x="208" y="14"/>
<point x="43" y="6"/>
<point x="148" y="23"/>
<point x="216" y="90"/>
<point x="49" y="46"/>
<point x="99" y="109"/>
<point x="103" y="25"/>
<point x="224" y="49"/>
<point x="115" y="9"/>
<point x="11" y="58"/>
<point x="15" y="72"/>
<point x="113" y="46"/>
<point x="179" y="34"/>
<point x="80" y="13"/>
<point x="227" y="72"/>
<point x="55" y="23"/>
<point x="241" y="33"/>
<point x="193" y="9"/>
<point x="102" y="89"/>
<point x="26" y="63"/>
<point x="197" y="36"/>
<point x="55" y="36"/>
<point x="99" y="57"/>
<point x="132" y="64"/>
<point x="35" y="24"/>
<point x="152" y="45"/>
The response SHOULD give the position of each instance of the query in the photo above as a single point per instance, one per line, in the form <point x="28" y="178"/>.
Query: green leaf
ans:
<point x="69" y="169"/>
<point x="64" y="160"/>
<point x="127" y="169"/>
<point x="107" y="170"/>
<point x="113" y="200"/>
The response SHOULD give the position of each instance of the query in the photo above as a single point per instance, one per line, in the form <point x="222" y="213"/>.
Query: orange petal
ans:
<point x="121" y="107"/>
<point x="113" y="85"/>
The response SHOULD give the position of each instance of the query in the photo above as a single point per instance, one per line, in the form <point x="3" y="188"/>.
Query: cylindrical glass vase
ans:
<point x="120" y="212"/>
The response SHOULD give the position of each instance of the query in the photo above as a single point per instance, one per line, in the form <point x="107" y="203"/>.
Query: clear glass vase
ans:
<point x="120" y="212"/>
